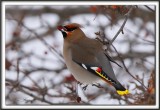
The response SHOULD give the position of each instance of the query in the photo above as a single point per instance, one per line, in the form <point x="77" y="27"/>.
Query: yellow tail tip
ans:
<point x="123" y="92"/>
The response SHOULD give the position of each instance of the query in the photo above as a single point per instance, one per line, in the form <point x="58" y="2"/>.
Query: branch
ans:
<point x="52" y="50"/>
<point x="63" y="13"/>
<point x="121" y="28"/>
<point x="37" y="97"/>
<point x="139" y="55"/>
<point x="149" y="8"/>
<point x="126" y="69"/>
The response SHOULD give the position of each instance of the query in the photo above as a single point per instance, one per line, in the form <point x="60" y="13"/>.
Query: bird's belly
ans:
<point x="81" y="74"/>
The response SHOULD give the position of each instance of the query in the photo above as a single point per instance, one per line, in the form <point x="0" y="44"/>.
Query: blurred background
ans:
<point x="35" y="71"/>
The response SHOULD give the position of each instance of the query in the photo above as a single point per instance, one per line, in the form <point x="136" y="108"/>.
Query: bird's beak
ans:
<point x="61" y="28"/>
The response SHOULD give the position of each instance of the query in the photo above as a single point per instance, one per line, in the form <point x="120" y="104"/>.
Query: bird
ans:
<point x="86" y="58"/>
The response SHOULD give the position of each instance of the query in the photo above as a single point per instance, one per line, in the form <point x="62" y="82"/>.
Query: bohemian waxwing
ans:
<point x="86" y="58"/>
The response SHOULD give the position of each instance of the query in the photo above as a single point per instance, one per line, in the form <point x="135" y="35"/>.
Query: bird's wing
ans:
<point x="111" y="59"/>
<point x="81" y="55"/>
<point x="106" y="65"/>
<point x="92" y="58"/>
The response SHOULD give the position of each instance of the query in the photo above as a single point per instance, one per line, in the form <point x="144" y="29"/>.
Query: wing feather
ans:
<point x="91" y="53"/>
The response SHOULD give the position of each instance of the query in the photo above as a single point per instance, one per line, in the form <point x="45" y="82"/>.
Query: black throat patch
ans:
<point x="64" y="34"/>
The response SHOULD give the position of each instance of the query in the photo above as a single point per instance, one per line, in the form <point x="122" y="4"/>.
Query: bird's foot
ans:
<point x="79" y="83"/>
<point x="85" y="87"/>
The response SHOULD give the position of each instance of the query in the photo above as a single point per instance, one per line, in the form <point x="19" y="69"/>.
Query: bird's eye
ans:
<point x="70" y="29"/>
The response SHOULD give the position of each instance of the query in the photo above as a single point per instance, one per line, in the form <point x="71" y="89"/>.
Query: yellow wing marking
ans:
<point x="101" y="75"/>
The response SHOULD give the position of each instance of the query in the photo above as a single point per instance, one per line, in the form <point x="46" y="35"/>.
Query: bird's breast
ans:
<point x="80" y="74"/>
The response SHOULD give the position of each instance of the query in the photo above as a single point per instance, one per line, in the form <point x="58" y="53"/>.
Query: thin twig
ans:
<point x="18" y="69"/>
<point x="149" y="8"/>
<point x="37" y="97"/>
<point x="53" y="50"/>
<point x="126" y="69"/>
<point x="121" y="28"/>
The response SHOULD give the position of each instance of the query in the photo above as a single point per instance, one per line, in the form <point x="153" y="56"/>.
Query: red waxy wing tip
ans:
<point x="99" y="70"/>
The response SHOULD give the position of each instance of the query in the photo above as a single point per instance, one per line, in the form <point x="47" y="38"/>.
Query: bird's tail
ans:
<point x="120" y="89"/>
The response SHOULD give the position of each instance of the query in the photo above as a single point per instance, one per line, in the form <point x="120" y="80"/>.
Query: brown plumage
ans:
<point x="85" y="56"/>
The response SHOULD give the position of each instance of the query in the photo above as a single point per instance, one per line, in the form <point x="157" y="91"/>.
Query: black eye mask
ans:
<point x="70" y="29"/>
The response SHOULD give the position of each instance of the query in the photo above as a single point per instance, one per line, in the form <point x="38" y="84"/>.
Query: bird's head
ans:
<point x="70" y="30"/>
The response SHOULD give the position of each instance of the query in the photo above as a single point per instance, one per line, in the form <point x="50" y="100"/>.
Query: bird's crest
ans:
<point x="74" y="25"/>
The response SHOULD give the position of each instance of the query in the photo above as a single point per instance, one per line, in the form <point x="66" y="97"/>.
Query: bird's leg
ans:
<point x="84" y="87"/>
